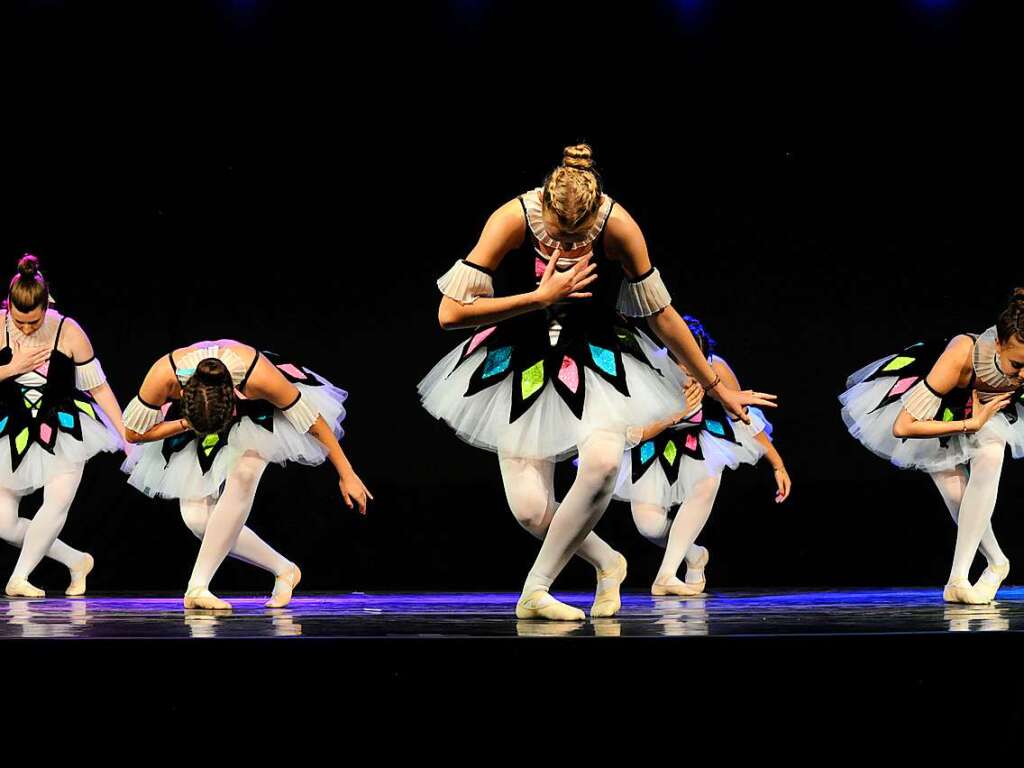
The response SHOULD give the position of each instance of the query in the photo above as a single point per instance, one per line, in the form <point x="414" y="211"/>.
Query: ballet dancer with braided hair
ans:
<point x="211" y="417"/>
<point x="680" y="461"/>
<point x="56" y="412"/>
<point x="555" y="369"/>
<point x="951" y="409"/>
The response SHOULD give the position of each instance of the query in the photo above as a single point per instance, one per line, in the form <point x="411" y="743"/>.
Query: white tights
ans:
<point x="567" y="528"/>
<point x="37" y="537"/>
<point x="679" y="538"/>
<point x="970" y="496"/>
<point x="220" y="525"/>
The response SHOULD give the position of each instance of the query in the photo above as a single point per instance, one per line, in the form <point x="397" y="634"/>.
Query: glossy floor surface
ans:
<point x="491" y="615"/>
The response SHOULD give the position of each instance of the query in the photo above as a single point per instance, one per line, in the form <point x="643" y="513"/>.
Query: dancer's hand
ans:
<point x="784" y="483"/>
<point x="555" y="286"/>
<point x="982" y="412"/>
<point x="25" y="359"/>
<point x="353" y="491"/>
<point x="694" y="394"/>
<point x="735" y="402"/>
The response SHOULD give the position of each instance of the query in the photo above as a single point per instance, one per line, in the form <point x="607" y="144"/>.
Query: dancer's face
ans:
<point x="1011" y="357"/>
<point x="567" y="238"/>
<point x="27" y="322"/>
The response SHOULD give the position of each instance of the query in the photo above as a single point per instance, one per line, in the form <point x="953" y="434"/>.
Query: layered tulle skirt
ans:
<point x="538" y="401"/>
<point x="190" y="467"/>
<point x="32" y="450"/>
<point x="664" y="470"/>
<point x="874" y="398"/>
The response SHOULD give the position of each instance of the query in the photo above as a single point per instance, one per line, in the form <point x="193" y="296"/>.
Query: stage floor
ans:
<point x="754" y="614"/>
<point x="763" y="660"/>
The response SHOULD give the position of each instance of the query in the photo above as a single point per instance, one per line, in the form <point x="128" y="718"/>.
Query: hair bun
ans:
<point x="28" y="265"/>
<point x="579" y="156"/>
<point x="212" y="371"/>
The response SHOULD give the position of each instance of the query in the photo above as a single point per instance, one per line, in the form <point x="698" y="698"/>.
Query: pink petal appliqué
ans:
<point x="538" y="267"/>
<point x="479" y="339"/>
<point x="691" y="442"/>
<point x="44" y="369"/>
<point x="45" y="432"/>
<point x="288" y="367"/>
<point x="903" y="385"/>
<point x="569" y="374"/>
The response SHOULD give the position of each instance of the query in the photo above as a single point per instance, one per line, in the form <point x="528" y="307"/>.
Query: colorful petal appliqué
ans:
<point x="647" y="451"/>
<point x="898" y="363"/>
<point x="293" y="371"/>
<point x="21" y="440"/>
<point x="716" y="427"/>
<point x="902" y="386"/>
<point x="670" y="452"/>
<point x="604" y="359"/>
<point x="497" y="361"/>
<point x="479" y="339"/>
<point x="85" y="408"/>
<point x="569" y="374"/>
<point x="533" y="379"/>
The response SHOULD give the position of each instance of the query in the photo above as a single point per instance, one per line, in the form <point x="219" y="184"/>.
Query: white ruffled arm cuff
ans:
<point x="466" y="282"/>
<point x="301" y="415"/>
<point x="140" y="417"/>
<point x="643" y="297"/>
<point x="920" y="402"/>
<point x="89" y="375"/>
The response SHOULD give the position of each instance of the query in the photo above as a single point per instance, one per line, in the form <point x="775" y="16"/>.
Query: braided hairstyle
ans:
<point x="28" y="289"/>
<point x="208" y="399"/>
<point x="572" y="192"/>
<point x="704" y="341"/>
<point x="1011" y="321"/>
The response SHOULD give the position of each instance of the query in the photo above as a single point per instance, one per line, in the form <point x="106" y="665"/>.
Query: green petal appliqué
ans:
<point x="899" y="362"/>
<point x="670" y="452"/>
<point x="533" y="379"/>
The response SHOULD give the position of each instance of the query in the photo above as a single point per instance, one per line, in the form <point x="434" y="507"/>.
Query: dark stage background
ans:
<point x="822" y="184"/>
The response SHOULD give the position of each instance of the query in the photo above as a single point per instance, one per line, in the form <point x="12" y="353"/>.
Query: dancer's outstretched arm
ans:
<point x="625" y="243"/>
<point x="782" y="480"/>
<point x="941" y="380"/>
<point x="267" y="383"/>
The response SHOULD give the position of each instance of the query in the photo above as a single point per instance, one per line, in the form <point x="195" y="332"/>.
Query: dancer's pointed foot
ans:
<point x="991" y="579"/>
<point x="201" y="597"/>
<point x="283" y="586"/>
<point x="607" y="600"/>
<point x="82" y="569"/>
<point x="539" y="604"/>
<point x="961" y="591"/>
<point x="18" y="587"/>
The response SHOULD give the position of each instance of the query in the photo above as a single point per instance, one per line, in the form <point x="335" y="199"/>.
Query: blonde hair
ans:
<point x="28" y="288"/>
<point x="572" y="192"/>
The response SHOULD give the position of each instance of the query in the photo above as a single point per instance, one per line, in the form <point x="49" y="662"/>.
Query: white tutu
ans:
<point x="549" y="429"/>
<point x="654" y="486"/>
<point x="872" y="426"/>
<point x="38" y="465"/>
<point x="182" y="477"/>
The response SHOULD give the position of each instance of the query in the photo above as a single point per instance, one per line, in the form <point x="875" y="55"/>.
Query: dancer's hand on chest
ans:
<point x="25" y="359"/>
<point x="555" y="286"/>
